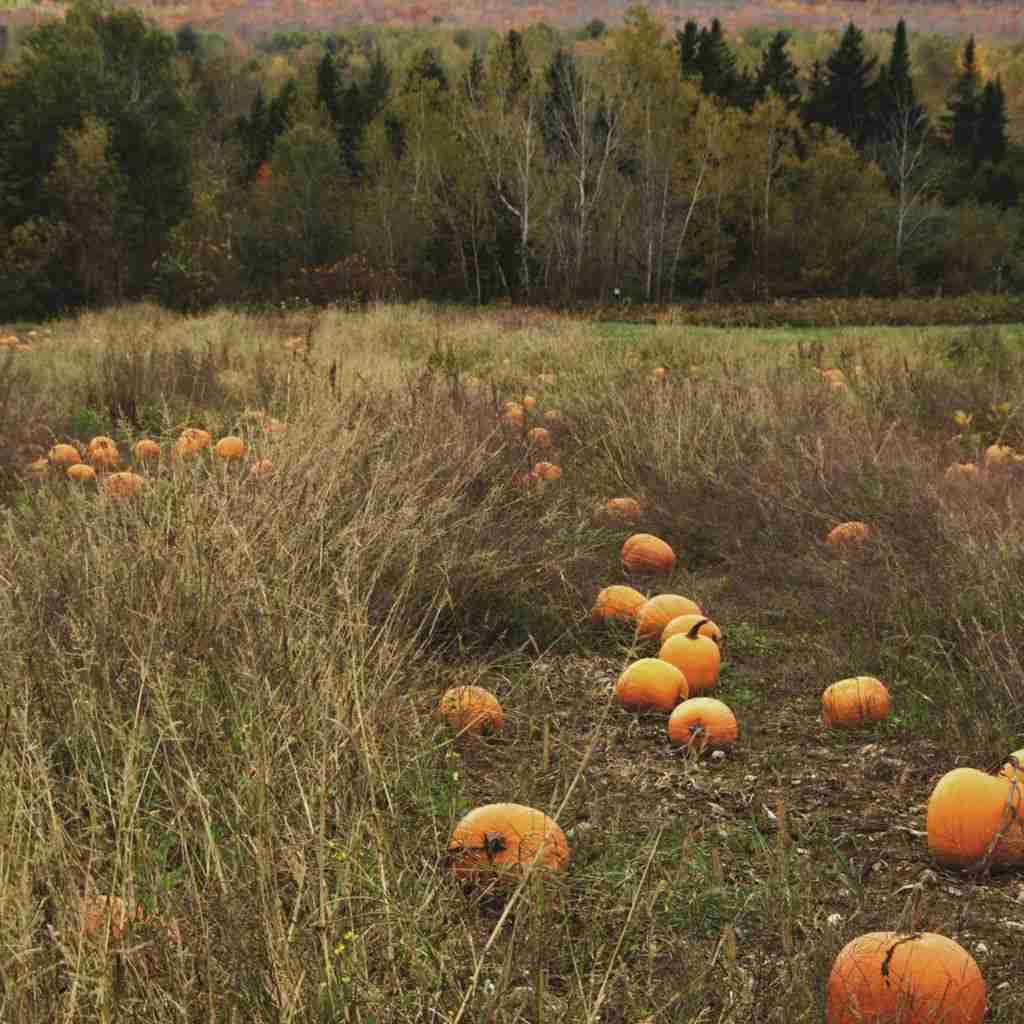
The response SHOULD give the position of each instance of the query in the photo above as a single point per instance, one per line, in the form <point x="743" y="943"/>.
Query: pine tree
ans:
<point x="897" y="98"/>
<point x="963" y="104"/>
<point x="328" y="85"/>
<point x="688" y="41"/>
<point x="777" y="73"/>
<point x="848" y="95"/>
<point x="990" y="138"/>
<point x="563" y="88"/>
<point x="716" y="63"/>
<point x="427" y="67"/>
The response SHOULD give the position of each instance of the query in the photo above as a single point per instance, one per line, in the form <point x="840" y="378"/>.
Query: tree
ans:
<point x="990" y="133"/>
<point x="961" y="121"/>
<point x="777" y="73"/>
<point x="896" y="93"/>
<point x="187" y="40"/>
<point x="847" y="98"/>
<point x="328" y="85"/>
<point x="716" y="63"/>
<point x="688" y="41"/>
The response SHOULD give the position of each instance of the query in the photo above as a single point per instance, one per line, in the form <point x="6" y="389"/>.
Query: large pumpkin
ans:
<point x="898" y="978"/>
<point x="703" y="723"/>
<point x="80" y="472"/>
<point x="506" y="838"/>
<point x="123" y="485"/>
<point x="657" y="612"/>
<point x="972" y="816"/>
<point x="65" y="455"/>
<point x="624" y="509"/>
<point x="855" y="701"/>
<point x="146" y="450"/>
<point x="192" y="441"/>
<point x="539" y="437"/>
<point x="617" y="602"/>
<point x="547" y="471"/>
<point x="102" y="452"/>
<point x="643" y="553"/>
<point x="697" y="657"/>
<point x="472" y="709"/>
<point x="650" y="684"/>
<point x="849" y="534"/>
<point x="230" y="448"/>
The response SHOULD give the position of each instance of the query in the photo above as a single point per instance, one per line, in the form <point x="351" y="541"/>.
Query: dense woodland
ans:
<point x="628" y="161"/>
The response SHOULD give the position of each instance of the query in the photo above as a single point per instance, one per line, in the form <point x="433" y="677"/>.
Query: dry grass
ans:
<point x="220" y="698"/>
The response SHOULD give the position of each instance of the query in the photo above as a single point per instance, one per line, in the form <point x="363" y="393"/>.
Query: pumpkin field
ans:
<point x="419" y="664"/>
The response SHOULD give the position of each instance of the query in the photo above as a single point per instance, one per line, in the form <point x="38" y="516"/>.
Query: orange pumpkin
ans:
<point x="660" y="374"/>
<point x="962" y="471"/>
<point x="146" y="450"/>
<point x="80" y="472"/>
<point x="684" y="623"/>
<point x="697" y="657"/>
<point x="1014" y="772"/>
<point x="506" y="839"/>
<point x="650" y="685"/>
<point x="529" y="403"/>
<point x="900" y="978"/>
<point x="997" y="455"/>
<point x="65" y="455"/>
<point x="102" y="452"/>
<point x="644" y="553"/>
<point x="970" y="812"/>
<point x="230" y="448"/>
<point x="261" y="469"/>
<point x="846" y="534"/>
<point x="539" y="437"/>
<point x="657" y="612"/>
<point x="512" y="414"/>
<point x="855" y="701"/>
<point x="123" y="485"/>
<point x="626" y="510"/>
<point x="617" y="602"/>
<point x="39" y="468"/>
<point x="833" y="375"/>
<point x="472" y="709"/>
<point x="704" y="724"/>
<point x="192" y="441"/>
<point x="547" y="471"/>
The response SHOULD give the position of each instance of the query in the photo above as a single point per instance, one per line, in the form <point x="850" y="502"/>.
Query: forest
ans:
<point x="627" y="161"/>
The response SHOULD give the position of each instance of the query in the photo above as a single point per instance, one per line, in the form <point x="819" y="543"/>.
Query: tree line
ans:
<point x="654" y="168"/>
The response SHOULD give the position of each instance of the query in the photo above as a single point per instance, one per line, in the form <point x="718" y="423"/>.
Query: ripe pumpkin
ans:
<point x="900" y="978"/>
<point x="146" y="450"/>
<point x="529" y="403"/>
<point x="853" y="532"/>
<point x="962" y="471"/>
<point x="703" y="723"/>
<point x="80" y="472"/>
<point x="192" y="441"/>
<point x="506" y="838"/>
<point x="998" y="455"/>
<point x="65" y="455"/>
<point x="624" y="509"/>
<point x="1015" y="773"/>
<point x="123" y="485"/>
<point x="660" y="374"/>
<point x="617" y="602"/>
<point x="102" y="452"/>
<point x="833" y="374"/>
<point x="512" y="414"/>
<point x="644" y="553"/>
<point x="230" y="448"/>
<point x="968" y="811"/>
<point x="472" y="709"/>
<point x="657" y="612"/>
<point x="547" y="471"/>
<point x="261" y="469"/>
<point x="684" y="623"/>
<point x="539" y="437"/>
<point x="855" y="701"/>
<point x="650" y="684"/>
<point x="697" y="657"/>
<point x="38" y="468"/>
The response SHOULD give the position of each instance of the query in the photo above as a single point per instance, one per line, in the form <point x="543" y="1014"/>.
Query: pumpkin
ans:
<point x="38" y="468"/>
<point x="657" y="612"/>
<point x="853" y="532"/>
<point x="80" y="472"/>
<point x="624" y="509"/>
<point x="644" y="553"/>
<point x="998" y="455"/>
<point x="296" y="345"/>
<point x="123" y="485"/>
<point x="650" y="684"/>
<point x="900" y="978"/>
<point x="539" y="437"/>
<point x="274" y="426"/>
<point x="616" y="602"/>
<point x="261" y="469"/>
<point x="102" y="452"/>
<point x="703" y="723"/>
<point x="529" y="403"/>
<point x="230" y="448"/>
<point x="472" y="709"/>
<point x="512" y="414"/>
<point x="962" y="471"/>
<point x="146" y="450"/>
<point x="833" y="375"/>
<point x="697" y="657"/>
<point x="684" y="623"/>
<point x="855" y="701"/>
<point x="192" y="441"/>
<point x="969" y="811"/>
<point x="506" y="839"/>
<point x="99" y="913"/>
<point x="660" y="374"/>
<point x="1014" y="772"/>
<point x="64" y="455"/>
<point x="547" y="471"/>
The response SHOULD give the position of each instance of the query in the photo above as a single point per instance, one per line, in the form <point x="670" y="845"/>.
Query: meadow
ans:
<point x="219" y="699"/>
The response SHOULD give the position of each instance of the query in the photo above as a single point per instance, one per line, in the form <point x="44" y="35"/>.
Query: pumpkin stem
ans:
<point x="494" y="842"/>
<point x="695" y="629"/>
<point x="892" y="949"/>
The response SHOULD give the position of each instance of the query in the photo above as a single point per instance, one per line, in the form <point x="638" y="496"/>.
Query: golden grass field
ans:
<point x="219" y="697"/>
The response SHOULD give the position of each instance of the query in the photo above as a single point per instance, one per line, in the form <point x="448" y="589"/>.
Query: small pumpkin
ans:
<point x="902" y="978"/>
<point x="625" y="510"/>
<point x="962" y="471"/>
<point x="80" y="472"/>
<point x="102" y="452"/>
<point x="512" y="414"/>
<point x="650" y="684"/>
<point x="506" y="838"/>
<point x="123" y="485"/>
<point x="261" y="469"/>
<point x="657" y="612"/>
<point x="472" y="709"/>
<point x="39" y="468"/>
<point x="697" y="657"/>
<point x="969" y="812"/>
<point x="539" y="437"/>
<point x="848" y="534"/>
<point x="529" y="403"/>
<point x="855" y="701"/>
<point x="617" y="602"/>
<point x="643" y="553"/>
<point x="1014" y="772"/>
<point x="703" y="723"/>
<point x="64" y="455"/>
<point x="684" y="623"/>
<point x="192" y="441"/>
<point x="833" y="375"/>
<point x="230" y="448"/>
<point x="997" y="455"/>
<point x="146" y="450"/>
<point x="547" y="471"/>
<point x="660" y="374"/>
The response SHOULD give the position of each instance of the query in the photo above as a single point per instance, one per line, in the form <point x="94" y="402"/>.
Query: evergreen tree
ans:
<point x="963" y="104"/>
<point x="512" y="53"/>
<point x="777" y="73"/>
<point x="990" y="139"/>
<point x="562" y="92"/>
<point x="328" y="86"/>
<point x="427" y="67"/>
<point x="187" y="40"/>
<point x="847" y="99"/>
<point x="473" y="79"/>
<point x="814" y="110"/>
<point x="897" y="98"/>
<point x="716" y="63"/>
<point x="688" y="41"/>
